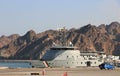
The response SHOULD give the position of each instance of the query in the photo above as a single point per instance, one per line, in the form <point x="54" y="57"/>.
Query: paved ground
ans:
<point x="59" y="72"/>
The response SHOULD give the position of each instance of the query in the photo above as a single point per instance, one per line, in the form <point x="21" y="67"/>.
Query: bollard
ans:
<point x="43" y="72"/>
<point x="65" y="74"/>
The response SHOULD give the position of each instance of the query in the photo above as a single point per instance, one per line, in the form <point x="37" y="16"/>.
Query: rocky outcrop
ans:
<point x="87" y="38"/>
<point x="5" y="40"/>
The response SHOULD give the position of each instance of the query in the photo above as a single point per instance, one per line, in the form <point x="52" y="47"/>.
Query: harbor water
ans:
<point x="15" y="64"/>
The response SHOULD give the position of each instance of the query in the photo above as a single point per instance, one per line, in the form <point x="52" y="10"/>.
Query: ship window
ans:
<point x="67" y="56"/>
<point x="95" y="62"/>
<point x="77" y="62"/>
<point x="81" y="62"/>
<point x="67" y="62"/>
<point x="72" y="62"/>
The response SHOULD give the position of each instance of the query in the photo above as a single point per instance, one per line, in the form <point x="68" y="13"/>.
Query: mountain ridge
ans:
<point x="88" y="38"/>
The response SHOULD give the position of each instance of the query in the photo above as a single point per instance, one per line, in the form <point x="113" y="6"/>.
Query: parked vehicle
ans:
<point x="106" y="66"/>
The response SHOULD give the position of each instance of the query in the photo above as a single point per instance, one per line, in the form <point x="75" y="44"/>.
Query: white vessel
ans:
<point x="65" y="56"/>
<point x="70" y="56"/>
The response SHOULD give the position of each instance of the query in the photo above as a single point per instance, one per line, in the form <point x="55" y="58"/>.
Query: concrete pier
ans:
<point x="59" y="72"/>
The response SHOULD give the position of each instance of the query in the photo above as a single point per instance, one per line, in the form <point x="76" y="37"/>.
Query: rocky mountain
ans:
<point x="5" y="40"/>
<point x="87" y="38"/>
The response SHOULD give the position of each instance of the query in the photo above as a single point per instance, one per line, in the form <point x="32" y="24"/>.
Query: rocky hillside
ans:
<point x="87" y="38"/>
<point x="5" y="40"/>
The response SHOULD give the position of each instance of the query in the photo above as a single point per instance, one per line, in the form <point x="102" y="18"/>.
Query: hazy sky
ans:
<point x="20" y="16"/>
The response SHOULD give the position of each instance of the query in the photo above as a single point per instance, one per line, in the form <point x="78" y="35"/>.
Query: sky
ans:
<point x="20" y="16"/>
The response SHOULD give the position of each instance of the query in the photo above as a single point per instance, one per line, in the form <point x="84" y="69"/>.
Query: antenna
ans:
<point x="71" y="44"/>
